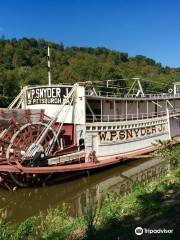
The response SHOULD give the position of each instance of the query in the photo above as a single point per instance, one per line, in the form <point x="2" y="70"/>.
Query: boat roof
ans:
<point x="92" y="93"/>
<point x="133" y="97"/>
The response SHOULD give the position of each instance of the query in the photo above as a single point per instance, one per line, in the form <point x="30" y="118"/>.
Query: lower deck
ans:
<point x="85" y="166"/>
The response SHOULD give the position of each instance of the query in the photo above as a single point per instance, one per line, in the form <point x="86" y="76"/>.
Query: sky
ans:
<point x="146" y="27"/>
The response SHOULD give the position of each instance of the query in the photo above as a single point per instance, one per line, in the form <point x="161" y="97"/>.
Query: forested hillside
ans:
<point x="24" y="62"/>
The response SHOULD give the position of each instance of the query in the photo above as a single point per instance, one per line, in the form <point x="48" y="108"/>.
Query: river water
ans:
<point x="80" y="192"/>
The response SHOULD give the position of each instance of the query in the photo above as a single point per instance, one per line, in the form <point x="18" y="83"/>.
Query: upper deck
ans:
<point x="113" y="107"/>
<point x="133" y="94"/>
<point x="89" y="105"/>
<point x="131" y="97"/>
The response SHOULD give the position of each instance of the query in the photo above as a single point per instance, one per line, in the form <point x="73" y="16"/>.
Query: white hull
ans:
<point x="103" y="138"/>
<point x="104" y="126"/>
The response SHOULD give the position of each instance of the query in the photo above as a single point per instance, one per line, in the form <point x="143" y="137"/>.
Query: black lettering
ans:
<point x="143" y="131"/>
<point x="160" y="128"/>
<point x="129" y="133"/>
<point x="122" y="135"/>
<point x="112" y="135"/>
<point x="148" y="130"/>
<point x="102" y="136"/>
<point x="153" y="129"/>
<point x="136" y="131"/>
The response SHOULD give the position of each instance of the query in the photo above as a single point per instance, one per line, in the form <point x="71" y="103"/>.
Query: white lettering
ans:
<point x="58" y="92"/>
<point x="46" y="95"/>
<point x="32" y="93"/>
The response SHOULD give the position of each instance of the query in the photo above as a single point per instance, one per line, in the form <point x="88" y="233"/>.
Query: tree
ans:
<point x="11" y="84"/>
<point x="20" y="58"/>
<point x="27" y="60"/>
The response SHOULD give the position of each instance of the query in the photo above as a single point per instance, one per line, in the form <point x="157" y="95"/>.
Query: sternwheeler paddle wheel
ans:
<point x="28" y="138"/>
<point x="19" y="130"/>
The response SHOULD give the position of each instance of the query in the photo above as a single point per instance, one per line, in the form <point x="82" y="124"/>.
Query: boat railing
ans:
<point x="129" y="116"/>
<point x="130" y="96"/>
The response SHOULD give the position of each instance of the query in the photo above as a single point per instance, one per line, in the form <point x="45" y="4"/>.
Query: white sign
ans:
<point x="47" y="95"/>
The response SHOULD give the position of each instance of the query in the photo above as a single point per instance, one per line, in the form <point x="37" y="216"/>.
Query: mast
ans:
<point x="49" y="67"/>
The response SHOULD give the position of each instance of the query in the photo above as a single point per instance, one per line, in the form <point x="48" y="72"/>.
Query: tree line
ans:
<point x="24" y="62"/>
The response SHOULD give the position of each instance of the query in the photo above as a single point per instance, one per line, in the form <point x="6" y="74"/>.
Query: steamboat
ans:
<point x="61" y="129"/>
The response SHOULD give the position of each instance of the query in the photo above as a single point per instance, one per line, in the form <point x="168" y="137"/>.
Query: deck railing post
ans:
<point x="101" y="109"/>
<point x="126" y="110"/>
<point x="168" y="121"/>
<point x="137" y="105"/>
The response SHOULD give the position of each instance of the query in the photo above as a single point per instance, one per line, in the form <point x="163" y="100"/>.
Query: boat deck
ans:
<point x="82" y="166"/>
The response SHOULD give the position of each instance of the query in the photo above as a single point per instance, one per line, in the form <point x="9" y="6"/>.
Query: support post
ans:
<point x="137" y="109"/>
<point x="126" y="110"/>
<point x="140" y="87"/>
<point x="147" y="108"/>
<point x="168" y="121"/>
<point x="101" y="109"/>
<point x="114" y="105"/>
<point x="90" y="109"/>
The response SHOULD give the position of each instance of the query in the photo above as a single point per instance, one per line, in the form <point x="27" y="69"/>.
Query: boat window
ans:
<point x="111" y="105"/>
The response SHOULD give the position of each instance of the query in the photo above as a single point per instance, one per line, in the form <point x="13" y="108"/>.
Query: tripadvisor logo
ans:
<point x="140" y="231"/>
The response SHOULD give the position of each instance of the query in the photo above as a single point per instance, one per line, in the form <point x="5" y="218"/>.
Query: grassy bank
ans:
<point x="154" y="206"/>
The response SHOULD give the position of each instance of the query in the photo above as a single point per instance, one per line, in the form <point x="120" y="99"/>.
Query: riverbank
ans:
<point x="154" y="206"/>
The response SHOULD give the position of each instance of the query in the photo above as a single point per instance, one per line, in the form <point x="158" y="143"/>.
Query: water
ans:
<point x="81" y="192"/>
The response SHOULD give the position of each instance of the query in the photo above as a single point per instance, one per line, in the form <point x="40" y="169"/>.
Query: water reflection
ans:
<point x="82" y="192"/>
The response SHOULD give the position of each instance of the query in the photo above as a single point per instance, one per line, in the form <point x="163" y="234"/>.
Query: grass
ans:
<point x="154" y="206"/>
<point x="158" y="205"/>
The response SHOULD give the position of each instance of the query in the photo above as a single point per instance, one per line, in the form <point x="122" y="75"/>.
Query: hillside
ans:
<point x="24" y="62"/>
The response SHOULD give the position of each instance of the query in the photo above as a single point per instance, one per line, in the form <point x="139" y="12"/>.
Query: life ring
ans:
<point x="170" y="90"/>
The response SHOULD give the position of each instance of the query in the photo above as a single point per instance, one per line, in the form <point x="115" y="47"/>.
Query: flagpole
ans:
<point x="49" y="67"/>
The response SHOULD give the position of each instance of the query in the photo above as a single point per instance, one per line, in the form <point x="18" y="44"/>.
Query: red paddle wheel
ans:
<point x="28" y="139"/>
<point x="19" y="130"/>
